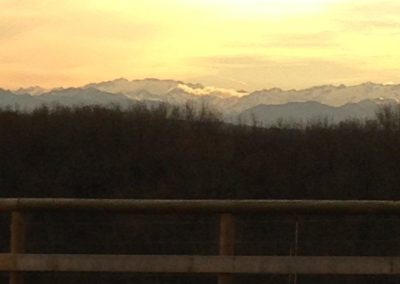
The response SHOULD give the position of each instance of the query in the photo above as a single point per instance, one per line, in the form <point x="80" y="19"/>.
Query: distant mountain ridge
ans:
<point x="302" y="112"/>
<point x="335" y="102"/>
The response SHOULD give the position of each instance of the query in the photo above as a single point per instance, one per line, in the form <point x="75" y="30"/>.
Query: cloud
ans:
<point x="253" y="61"/>
<point x="9" y="30"/>
<point x="368" y="15"/>
<point x="237" y="61"/>
<point x="204" y="91"/>
<point x="290" y="39"/>
<point x="72" y="19"/>
<point x="16" y="19"/>
<point x="367" y="25"/>
<point x="374" y="8"/>
<point x="54" y="43"/>
<point x="90" y="40"/>
<point x="297" y="72"/>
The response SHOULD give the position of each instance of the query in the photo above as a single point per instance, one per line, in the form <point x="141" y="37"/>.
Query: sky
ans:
<point x="241" y="44"/>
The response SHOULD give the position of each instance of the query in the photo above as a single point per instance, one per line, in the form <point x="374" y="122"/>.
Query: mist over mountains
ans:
<point x="336" y="103"/>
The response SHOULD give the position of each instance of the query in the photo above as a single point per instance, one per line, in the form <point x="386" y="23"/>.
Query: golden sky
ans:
<point x="243" y="44"/>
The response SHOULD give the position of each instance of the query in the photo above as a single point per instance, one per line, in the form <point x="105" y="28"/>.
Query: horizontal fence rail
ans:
<point x="202" y="206"/>
<point x="201" y="264"/>
<point x="225" y="265"/>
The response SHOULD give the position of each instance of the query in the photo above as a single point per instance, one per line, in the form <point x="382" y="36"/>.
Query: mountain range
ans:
<point x="337" y="103"/>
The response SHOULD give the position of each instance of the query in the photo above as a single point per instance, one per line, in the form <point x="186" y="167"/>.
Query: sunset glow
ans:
<point x="226" y="43"/>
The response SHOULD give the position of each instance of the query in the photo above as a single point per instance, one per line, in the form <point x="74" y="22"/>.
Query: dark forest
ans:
<point x="168" y="152"/>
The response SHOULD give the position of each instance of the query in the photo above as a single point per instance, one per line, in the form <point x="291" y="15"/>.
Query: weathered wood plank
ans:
<point x="226" y="243"/>
<point x="17" y="243"/>
<point x="227" y="235"/>
<point x="202" y="206"/>
<point x="17" y="229"/>
<point x="201" y="264"/>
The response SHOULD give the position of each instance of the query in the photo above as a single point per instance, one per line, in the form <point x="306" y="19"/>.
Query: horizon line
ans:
<point x="342" y="85"/>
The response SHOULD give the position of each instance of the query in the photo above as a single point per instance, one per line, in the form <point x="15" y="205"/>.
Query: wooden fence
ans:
<point x="225" y="265"/>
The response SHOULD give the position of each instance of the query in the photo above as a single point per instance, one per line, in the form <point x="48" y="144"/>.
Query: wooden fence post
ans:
<point x="226" y="243"/>
<point x="17" y="243"/>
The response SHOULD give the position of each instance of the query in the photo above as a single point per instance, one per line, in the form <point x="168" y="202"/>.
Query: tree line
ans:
<point x="165" y="152"/>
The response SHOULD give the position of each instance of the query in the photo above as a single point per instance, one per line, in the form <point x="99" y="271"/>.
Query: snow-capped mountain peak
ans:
<point x="33" y="91"/>
<point x="324" y="99"/>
